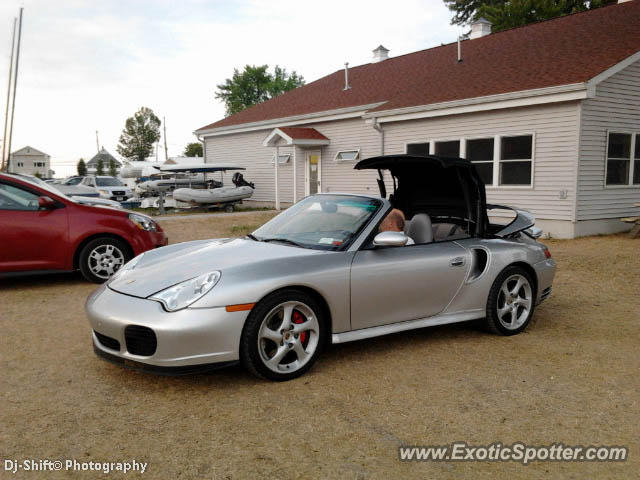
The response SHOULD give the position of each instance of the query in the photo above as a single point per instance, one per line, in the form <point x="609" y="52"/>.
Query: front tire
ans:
<point x="283" y="335"/>
<point x="101" y="258"/>
<point x="511" y="302"/>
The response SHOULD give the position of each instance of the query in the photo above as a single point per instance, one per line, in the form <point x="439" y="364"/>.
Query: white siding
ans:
<point x="246" y="150"/>
<point x="556" y="149"/>
<point x="616" y="107"/>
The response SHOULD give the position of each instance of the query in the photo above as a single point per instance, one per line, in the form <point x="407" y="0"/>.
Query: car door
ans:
<point x="395" y="284"/>
<point x="31" y="238"/>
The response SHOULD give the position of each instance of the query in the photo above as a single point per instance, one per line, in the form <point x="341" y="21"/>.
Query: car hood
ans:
<point x="161" y="268"/>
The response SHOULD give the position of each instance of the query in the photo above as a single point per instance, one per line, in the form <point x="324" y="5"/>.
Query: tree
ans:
<point x="255" y="85"/>
<point x="515" y="13"/>
<point x="100" y="167"/>
<point x="82" y="168"/>
<point x="113" y="170"/>
<point x="140" y="133"/>
<point x="37" y="175"/>
<point x="193" y="149"/>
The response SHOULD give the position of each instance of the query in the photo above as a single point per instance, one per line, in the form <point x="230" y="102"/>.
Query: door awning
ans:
<point x="295" y="136"/>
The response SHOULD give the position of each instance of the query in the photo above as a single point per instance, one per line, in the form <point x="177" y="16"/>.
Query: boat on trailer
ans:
<point x="219" y="196"/>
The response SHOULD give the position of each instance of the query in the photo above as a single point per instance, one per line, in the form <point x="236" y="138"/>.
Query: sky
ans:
<point x="87" y="65"/>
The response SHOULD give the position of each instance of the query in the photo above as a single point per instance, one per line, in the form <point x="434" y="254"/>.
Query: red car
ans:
<point x="42" y="229"/>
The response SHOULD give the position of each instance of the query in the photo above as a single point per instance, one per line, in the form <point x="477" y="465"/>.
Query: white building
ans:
<point x="549" y="113"/>
<point x="29" y="161"/>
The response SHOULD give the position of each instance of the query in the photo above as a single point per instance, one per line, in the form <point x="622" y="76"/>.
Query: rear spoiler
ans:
<point x="523" y="222"/>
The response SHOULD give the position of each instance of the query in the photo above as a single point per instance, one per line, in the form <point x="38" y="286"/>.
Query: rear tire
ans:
<point x="101" y="258"/>
<point x="511" y="302"/>
<point x="283" y="335"/>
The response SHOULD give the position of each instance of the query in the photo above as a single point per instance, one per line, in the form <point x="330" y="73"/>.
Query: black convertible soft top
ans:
<point x="442" y="187"/>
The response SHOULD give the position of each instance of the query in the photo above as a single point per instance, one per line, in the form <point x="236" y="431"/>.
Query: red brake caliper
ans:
<point x="298" y="318"/>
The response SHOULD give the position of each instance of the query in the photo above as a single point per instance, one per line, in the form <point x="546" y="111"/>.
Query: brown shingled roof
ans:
<point x="565" y="50"/>
<point x="301" y="133"/>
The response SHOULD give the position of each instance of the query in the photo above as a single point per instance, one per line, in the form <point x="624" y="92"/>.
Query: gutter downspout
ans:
<point x="204" y="148"/>
<point x="377" y="127"/>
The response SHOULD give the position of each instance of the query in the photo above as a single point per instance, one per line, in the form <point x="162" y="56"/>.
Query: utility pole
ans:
<point x="166" y="155"/>
<point x="97" y="143"/>
<point x="6" y="111"/>
<point x="15" y="86"/>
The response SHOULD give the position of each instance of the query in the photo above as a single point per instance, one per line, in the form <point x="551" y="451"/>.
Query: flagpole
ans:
<point x="15" y="86"/>
<point x="6" y="111"/>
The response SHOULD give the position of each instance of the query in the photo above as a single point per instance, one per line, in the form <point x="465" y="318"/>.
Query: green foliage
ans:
<point x="193" y="150"/>
<point x="37" y="174"/>
<point x="113" y="169"/>
<point x="100" y="167"/>
<point x="82" y="168"/>
<point x="140" y="133"/>
<point x="255" y="85"/>
<point x="515" y="13"/>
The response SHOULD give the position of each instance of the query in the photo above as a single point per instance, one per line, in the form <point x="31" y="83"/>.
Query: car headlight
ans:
<point x="143" y="222"/>
<point x="184" y="294"/>
<point x="105" y="192"/>
<point x="127" y="267"/>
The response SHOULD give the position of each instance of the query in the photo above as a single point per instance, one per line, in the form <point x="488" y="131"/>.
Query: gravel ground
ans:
<point x="571" y="378"/>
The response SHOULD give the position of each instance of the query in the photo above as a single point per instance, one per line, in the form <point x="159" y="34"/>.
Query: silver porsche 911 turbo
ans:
<point x="332" y="268"/>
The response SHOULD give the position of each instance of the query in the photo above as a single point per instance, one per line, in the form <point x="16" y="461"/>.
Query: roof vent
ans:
<point x="480" y="28"/>
<point x="380" y="54"/>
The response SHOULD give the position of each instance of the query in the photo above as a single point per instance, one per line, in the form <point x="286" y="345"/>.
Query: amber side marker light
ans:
<point x="239" y="308"/>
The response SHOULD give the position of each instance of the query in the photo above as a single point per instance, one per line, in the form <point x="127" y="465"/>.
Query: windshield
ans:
<point x="73" y="181"/>
<point x="108" y="182"/>
<point x="321" y="222"/>
<point x="45" y="186"/>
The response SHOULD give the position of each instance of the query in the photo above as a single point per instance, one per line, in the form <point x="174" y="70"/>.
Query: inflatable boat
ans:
<point x="214" y="195"/>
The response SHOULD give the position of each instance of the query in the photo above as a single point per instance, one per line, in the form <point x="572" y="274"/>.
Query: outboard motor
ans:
<point x="239" y="181"/>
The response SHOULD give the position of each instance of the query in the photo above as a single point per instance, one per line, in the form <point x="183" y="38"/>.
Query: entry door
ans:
<point x="396" y="284"/>
<point x="314" y="170"/>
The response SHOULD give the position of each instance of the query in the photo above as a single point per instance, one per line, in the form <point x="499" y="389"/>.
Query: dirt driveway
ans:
<point x="571" y="378"/>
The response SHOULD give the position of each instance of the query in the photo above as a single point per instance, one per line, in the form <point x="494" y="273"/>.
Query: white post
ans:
<point x="295" y="177"/>
<point x="277" y="160"/>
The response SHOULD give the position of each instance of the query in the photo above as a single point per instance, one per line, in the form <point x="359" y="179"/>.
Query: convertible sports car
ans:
<point x="322" y="272"/>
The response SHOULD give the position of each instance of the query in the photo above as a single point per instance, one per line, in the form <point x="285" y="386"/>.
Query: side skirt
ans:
<point x="441" y="319"/>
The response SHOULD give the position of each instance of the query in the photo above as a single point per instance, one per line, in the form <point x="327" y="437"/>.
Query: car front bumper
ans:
<point x="205" y="337"/>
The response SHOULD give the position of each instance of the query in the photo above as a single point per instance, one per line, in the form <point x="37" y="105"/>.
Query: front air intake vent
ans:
<point x="140" y="340"/>
<point x="107" y="342"/>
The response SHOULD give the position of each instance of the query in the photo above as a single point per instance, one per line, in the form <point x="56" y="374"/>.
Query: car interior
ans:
<point x="442" y="199"/>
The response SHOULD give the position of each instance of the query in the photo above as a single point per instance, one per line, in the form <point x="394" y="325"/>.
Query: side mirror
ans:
<point x="46" y="203"/>
<point x="390" y="239"/>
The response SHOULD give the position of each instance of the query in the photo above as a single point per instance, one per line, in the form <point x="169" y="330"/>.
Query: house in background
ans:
<point x="549" y="113"/>
<point x="29" y="161"/>
<point x="106" y="157"/>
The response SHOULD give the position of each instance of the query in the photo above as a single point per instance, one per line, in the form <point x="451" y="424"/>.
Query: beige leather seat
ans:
<point x="419" y="228"/>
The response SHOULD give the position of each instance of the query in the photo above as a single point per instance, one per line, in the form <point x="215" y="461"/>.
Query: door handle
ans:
<point x="457" y="262"/>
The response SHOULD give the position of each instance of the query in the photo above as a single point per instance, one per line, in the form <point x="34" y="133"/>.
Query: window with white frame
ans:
<point x="282" y="158"/>
<point x="418" y="148"/>
<point x="447" y="148"/>
<point x="480" y="153"/>
<point x="20" y="164"/>
<point x="623" y="159"/>
<point x="516" y="160"/>
<point x="347" y="155"/>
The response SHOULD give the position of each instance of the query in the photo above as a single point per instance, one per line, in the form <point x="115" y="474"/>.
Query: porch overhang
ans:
<point x="301" y="136"/>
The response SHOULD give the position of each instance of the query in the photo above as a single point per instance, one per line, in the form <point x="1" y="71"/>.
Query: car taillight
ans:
<point x="547" y="252"/>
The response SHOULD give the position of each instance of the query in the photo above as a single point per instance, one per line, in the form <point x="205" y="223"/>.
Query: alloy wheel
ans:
<point x="288" y="337"/>
<point x="514" y="302"/>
